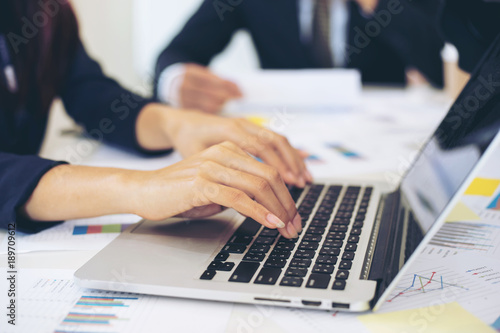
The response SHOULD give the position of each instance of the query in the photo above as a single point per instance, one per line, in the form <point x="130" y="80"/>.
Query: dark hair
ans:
<point x="42" y="36"/>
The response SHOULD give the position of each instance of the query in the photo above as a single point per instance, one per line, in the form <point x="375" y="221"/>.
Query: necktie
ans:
<point x="320" y="47"/>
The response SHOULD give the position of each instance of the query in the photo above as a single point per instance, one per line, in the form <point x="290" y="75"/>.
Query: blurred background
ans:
<point x="126" y="36"/>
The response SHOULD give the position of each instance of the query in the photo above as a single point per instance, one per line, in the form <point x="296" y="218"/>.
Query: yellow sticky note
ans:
<point x="258" y="120"/>
<point x="441" y="318"/>
<point x="461" y="213"/>
<point x="483" y="186"/>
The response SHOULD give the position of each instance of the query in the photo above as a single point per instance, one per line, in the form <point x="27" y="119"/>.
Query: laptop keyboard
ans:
<point x="323" y="252"/>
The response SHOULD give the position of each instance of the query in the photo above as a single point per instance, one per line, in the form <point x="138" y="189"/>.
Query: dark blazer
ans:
<point x="409" y="39"/>
<point x="98" y="103"/>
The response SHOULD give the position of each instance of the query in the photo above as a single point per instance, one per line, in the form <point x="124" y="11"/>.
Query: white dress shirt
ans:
<point x="171" y="78"/>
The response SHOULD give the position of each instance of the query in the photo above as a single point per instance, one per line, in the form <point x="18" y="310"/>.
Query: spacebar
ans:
<point x="244" y="272"/>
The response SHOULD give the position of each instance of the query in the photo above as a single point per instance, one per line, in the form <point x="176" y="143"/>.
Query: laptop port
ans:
<point x="311" y="303"/>
<point x="340" y="306"/>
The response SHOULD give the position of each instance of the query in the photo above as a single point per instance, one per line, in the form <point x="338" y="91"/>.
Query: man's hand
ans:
<point x="201" y="89"/>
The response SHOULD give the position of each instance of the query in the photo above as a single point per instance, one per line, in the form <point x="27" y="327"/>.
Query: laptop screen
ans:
<point x="457" y="145"/>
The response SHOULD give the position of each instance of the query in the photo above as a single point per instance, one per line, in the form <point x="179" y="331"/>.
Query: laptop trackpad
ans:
<point x="202" y="228"/>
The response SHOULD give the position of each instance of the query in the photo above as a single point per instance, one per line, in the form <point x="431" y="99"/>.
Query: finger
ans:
<point x="233" y="89"/>
<point x="231" y="156"/>
<point x="255" y="187"/>
<point x="257" y="137"/>
<point x="238" y="200"/>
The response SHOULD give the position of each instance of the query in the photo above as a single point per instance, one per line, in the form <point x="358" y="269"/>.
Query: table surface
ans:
<point x="385" y="128"/>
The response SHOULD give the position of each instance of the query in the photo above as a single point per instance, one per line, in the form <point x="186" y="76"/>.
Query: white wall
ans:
<point x="126" y="36"/>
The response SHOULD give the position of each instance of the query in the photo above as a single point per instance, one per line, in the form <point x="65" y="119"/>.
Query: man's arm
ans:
<point x="181" y="76"/>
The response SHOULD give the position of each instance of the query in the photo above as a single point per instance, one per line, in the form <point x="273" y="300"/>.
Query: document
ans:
<point x="324" y="89"/>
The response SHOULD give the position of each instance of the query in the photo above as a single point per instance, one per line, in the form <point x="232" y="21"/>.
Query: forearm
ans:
<point x="71" y="192"/>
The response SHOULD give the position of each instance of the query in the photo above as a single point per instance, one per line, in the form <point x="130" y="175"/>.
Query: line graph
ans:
<point x="422" y="284"/>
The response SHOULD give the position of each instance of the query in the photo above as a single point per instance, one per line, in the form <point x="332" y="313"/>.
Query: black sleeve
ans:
<point x="19" y="176"/>
<point x="204" y="36"/>
<point x="411" y="29"/>
<point x="107" y="111"/>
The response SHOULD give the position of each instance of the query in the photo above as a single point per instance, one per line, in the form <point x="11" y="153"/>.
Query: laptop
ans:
<point x="358" y="240"/>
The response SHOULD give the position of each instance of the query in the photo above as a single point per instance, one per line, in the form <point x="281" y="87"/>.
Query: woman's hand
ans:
<point x="190" y="132"/>
<point x="221" y="176"/>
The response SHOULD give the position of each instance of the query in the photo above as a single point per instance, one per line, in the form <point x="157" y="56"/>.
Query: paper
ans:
<point x="468" y="278"/>
<point x="462" y="213"/>
<point x="297" y="88"/>
<point x="482" y="186"/>
<point x="74" y="235"/>
<point x="50" y="301"/>
<point x="449" y="317"/>
<point x="495" y="203"/>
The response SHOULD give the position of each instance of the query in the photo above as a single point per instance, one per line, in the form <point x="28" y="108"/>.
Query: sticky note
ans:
<point x="461" y="213"/>
<point x="258" y="120"/>
<point x="442" y="318"/>
<point x="483" y="186"/>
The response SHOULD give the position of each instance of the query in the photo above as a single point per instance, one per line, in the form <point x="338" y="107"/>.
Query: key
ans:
<point x="280" y="254"/>
<point x="297" y="262"/>
<point x="309" y="245"/>
<point x="318" y="281"/>
<point x="244" y="272"/>
<point x="234" y="248"/>
<point x="214" y="265"/>
<point x="249" y="227"/>
<point x="312" y="238"/>
<point x="342" y="275"/>
<point x="306" y="254"/>
<point x="254" y="256"/>
<point x="348" y="256"/>
<point x="275" y="262"/>
<point x="240" y="239"/>
<point x="259" y="248"/>
<point x="356" y="231"/>
<point x="338" y="285"/>
<point x="323" y="269"/>
<point x="268" y="275"/>
<point x="264" y="240"/>
<point x="222" y="256"/>
<point x="353" y="239"/>
<point x="208" y="275"/>
<point x="296" y="271"/>
<point x="333" y="243"/>
<point x="291" y="281"/>
<point x="315" y="230"/>
<point x="325" y="259"/>
<point x="285" y="246"/>
<point x="329" y="251"/>
<point x="351" y="247"/>
<point x="345" y="265"/>
<point x="226" y="267"/>
<point x="269" y="232"/>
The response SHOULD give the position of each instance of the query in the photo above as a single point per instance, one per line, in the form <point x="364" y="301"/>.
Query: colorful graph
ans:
<point x="468" y="236"/>
<point x="425" y="284"/>
<point x="99" y="229"/>
<point x="346" y="152"/>
<point x="495" y="204"/>
<point x="496" y="325"/>
<point x="102" y="301"/>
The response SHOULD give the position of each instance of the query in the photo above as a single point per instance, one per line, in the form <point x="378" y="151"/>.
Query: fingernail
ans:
<point x="297" y="222"/>
<point x="301" y="182"/>
<point x="309" y="177"/>
<point x="291" y="230"/>
<point x="290" y="176"/>
<point x="274" y="220"/>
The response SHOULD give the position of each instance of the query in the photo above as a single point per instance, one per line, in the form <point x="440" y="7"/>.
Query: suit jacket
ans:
<point x="102" y="106"/>
<point x="408" y="39"/>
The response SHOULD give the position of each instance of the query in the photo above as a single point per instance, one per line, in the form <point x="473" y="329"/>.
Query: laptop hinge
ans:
<point x="386" y="255"/>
